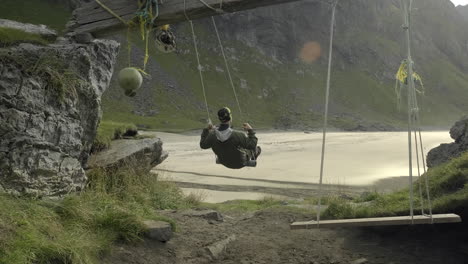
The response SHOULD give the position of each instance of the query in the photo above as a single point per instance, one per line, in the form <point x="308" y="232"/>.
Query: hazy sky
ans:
<point x="460" y="2"/>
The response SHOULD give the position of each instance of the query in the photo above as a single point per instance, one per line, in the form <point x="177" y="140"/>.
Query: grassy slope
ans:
<point x="448" y="187"/>
<point x="79" y="228"/>
<point x="35" y="12"/>
<point x="290" y="94"/>
<point x="279" y="90"/>
<point x="10" y="36"/>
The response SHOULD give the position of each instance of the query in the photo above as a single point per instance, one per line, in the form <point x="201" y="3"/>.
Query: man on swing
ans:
<point x="233" y="148"/>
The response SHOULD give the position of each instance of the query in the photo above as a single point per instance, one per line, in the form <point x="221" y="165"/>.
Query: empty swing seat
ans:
<point x="379" y="221"/>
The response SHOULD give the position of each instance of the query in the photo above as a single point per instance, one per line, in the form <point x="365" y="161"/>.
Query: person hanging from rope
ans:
<point x="234" y="149"/>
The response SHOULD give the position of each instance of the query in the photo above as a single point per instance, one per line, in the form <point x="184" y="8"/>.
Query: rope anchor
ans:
<point x="164" y="39"/>
<point x="130" y="78"/>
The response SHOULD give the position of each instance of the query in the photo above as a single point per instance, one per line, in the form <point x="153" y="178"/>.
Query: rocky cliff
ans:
<point x="446" y="152"/>
<point x="50" y="107"/>
<point x="463" y="11"/>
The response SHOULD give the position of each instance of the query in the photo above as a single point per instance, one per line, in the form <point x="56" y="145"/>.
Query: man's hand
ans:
<point x="246" y="126"/>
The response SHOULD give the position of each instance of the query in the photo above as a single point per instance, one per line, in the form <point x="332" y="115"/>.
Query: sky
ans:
<point x="460" y="2"/>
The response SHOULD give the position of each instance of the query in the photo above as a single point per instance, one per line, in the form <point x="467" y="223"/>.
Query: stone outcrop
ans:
<point x="463" y="11"/>
<point x="50" y="108"/>
<point x="445" y="152"/>
<point x="158" y="230"/>
<point x="147" y="152"/>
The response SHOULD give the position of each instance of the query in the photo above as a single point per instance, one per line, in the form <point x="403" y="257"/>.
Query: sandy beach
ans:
<point x="290" y="161"/>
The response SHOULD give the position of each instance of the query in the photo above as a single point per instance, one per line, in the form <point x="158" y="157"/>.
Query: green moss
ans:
<point x="9" y="36"/>
<point x="54" y="15"/>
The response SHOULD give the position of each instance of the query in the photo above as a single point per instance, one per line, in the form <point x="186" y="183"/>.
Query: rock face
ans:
<point x="445" y="152"/>
<point x="147" y="152"/>
<point x="50" y="107"/>
<point x="463" y="11"/>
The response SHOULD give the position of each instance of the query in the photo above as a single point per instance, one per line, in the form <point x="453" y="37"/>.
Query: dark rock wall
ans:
<point x="445" y="152"/>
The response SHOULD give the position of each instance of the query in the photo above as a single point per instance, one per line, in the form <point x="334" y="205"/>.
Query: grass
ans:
<point x="448" y="186"/>
<point x="108" y="131"/>
<point x="82" y="227"/>
<point x="54" y="15"/>
<point x="10" y="36"/>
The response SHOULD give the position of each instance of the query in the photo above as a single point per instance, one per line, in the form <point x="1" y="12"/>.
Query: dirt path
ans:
<point x="264" y="237"/>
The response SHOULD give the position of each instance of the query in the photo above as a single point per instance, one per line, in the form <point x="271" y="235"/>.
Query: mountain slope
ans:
<point x="278" y="89"/>
<point x="463" y="11"/>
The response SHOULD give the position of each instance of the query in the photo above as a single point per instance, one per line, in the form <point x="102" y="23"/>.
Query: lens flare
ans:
<point x="310" y="52"/>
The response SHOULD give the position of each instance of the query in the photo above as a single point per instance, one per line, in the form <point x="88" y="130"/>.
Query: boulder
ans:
<point x="158" y="230"/>
<point x="206" y="214"/>
<point x="216" y="249"/>
<point x="445" y="152"/>
<point x="41" y="30"/>
<point x="50" y="108"/>
<point x="147" y="153"/>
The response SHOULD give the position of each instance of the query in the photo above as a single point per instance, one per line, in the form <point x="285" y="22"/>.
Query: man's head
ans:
<point x="224" y="115"/>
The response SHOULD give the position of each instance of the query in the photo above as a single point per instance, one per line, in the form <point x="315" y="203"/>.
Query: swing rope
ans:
<point x="198" y="61"/>
<point x="325" y="116"/>
<point x="417" y="130"/>
<point x="410" y="87"/>
<point x="413" y="116"/>
<point x="146" y="18"/>
<point x="227" y="67"/>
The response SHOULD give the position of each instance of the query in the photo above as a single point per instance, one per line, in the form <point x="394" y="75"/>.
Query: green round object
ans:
<point x="130" y="80"/>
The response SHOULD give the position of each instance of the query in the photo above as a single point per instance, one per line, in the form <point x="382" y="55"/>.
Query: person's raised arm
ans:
<point x="249" y="142"/>
<point x="205" y="141"/>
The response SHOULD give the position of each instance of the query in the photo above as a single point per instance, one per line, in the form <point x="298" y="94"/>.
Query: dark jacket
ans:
<point x="230" y="146"/>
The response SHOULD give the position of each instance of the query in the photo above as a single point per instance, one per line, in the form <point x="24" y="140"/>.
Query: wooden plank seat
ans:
<point x="379" y="221"/>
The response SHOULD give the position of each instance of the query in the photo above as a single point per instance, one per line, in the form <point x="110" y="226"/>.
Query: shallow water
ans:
<point x="292" y="160"/>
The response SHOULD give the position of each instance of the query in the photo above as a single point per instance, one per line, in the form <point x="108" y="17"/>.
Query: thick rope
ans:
<point x="325" y="116"/>
<point x="199" y="65"/>
<point x="227" y="68"/>
<point x="128" y="24"/>
<point x="410" y="88"/>
<point x="425" y="177"/>
<point x="419" y="171"/>
<point x="417" y="129"/>
<point x="112" y="12"/>
<point x="217" y="10"/>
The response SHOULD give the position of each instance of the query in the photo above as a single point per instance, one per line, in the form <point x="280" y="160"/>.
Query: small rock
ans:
<point x="83" y="38"/>
<point x="207" y="214"/>
<point x="359" y="261"/>
<point x="158" y="230"/>
<point x="217" y="248"/>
